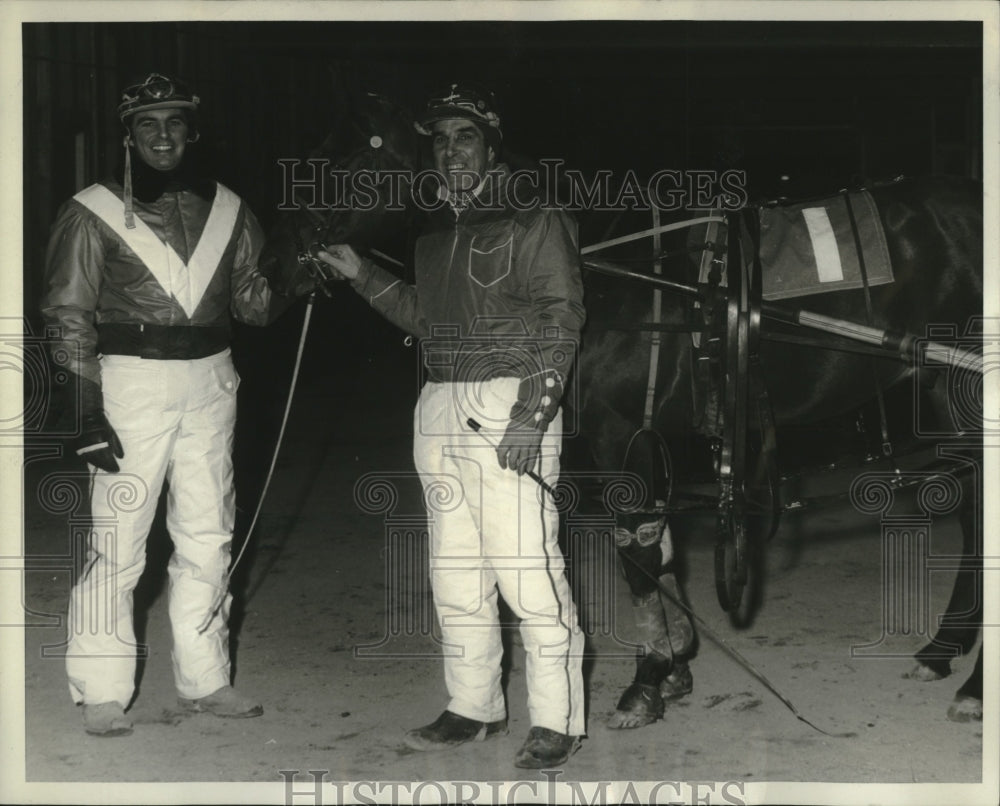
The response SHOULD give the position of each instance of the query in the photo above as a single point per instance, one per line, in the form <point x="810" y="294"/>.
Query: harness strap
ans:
<point x="658" y="256"/>
<point x="705" y="380"/>
<point x="708" y="271"/>
<point x="883" y="422"/>
<point x="656" y="338"/>
<point x="635" y="236"/>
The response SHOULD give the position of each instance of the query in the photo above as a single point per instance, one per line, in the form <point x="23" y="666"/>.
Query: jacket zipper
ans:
<point x="454" y="246"/>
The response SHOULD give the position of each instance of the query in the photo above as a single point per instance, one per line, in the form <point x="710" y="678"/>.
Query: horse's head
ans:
<point x="357" y="191"/>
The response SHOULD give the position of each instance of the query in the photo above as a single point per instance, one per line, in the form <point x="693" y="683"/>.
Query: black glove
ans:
<point x="520" y="447"/>
<point x="98" y="443"/>
<point x="292" y="278"/>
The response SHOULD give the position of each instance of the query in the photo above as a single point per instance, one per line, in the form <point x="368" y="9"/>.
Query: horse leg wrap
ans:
<point x="641" y="566"/>
<point x="651" y="624"/>
<point x="679" y="626"/>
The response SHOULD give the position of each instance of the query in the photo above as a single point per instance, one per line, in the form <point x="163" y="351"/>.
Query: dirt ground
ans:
<point x="332" y="631"/>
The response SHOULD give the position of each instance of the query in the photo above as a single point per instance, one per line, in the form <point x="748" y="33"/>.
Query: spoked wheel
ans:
<point x="748" y="503"/>
<point x="744" y="528"/>
<point x="731" y="568"/>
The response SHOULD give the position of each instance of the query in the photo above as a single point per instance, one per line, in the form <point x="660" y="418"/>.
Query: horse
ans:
<point x="364" y="215"/>
<point x="933" y="232"/>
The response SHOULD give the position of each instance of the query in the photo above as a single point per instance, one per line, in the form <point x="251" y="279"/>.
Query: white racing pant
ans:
<point x="490" y="529"/>
<point x="175" y="420"/>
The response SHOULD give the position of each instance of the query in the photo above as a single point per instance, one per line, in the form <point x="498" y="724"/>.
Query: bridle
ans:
<point x="372" y="155"/>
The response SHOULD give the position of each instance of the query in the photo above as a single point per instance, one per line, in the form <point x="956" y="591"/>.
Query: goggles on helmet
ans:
<point x="460" y="102"/>
<point x="156" y="92"/>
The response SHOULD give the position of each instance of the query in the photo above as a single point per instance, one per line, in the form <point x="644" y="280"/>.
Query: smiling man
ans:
<point x="462" y="154"/>
<point x="143" y="272"/>
<point x="160" y="137"/>
<point x="498" y="307"/>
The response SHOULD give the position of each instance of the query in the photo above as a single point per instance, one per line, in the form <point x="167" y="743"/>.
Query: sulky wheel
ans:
<point x="730" y="559"/>
<point x="730" y="549"/>
<point x="747" y="500"/>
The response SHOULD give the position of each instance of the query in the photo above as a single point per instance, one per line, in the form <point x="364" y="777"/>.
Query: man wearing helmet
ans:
<point x="498" y="306"/>
<point x="142" y="273"/>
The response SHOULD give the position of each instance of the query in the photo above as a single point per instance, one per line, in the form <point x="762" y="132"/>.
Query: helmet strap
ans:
<point x="129" y="214"/>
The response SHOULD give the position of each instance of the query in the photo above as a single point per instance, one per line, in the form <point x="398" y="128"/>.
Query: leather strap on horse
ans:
<point x="869" y="313"/>
<point x="655" y="337"/>
<point x="655" y="326"/>
<point x="757" y="393"/>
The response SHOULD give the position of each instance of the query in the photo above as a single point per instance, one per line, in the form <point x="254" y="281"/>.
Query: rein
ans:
<point x="220" y="599"/>
<point x="740" y="659"/>
<point x="307" y="257"/>
<point x="879" y="394"/>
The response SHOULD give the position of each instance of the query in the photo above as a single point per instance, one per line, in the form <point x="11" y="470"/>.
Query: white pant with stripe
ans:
<point x="175" y="420"/>
<point x="490" y="531"/>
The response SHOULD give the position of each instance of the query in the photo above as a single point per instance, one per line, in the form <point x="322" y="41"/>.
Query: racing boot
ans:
<point x="225" y="702"/>
<point x="450" y="729"/>
<point x="106" y="719"/>
<point x="545" y="748"/>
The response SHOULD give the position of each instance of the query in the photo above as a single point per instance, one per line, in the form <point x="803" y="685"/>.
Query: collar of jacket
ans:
<point x="148" y="184"/>
<point x="488" y="193"/>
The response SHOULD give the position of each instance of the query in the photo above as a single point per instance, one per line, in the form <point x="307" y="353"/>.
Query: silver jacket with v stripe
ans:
<point x="93" y="277"/>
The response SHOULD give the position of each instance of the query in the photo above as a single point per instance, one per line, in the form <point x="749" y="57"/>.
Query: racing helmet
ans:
<point x="157" y="91"/>
<point x="463" y="101"/>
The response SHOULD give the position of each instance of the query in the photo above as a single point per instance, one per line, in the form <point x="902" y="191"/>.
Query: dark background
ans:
<point x="822" y="103"/>
<point x="804" y="108"/>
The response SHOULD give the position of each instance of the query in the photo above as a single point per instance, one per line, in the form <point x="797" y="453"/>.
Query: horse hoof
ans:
<point x="679" y="683"/>
<point x="641" y="704"/>
<point x="922" y="673"/>
<point x="965" y="709"/>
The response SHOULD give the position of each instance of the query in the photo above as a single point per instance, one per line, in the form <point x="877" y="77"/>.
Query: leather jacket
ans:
<point x="498" y="293"/>
<point x="93" y="278"/>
